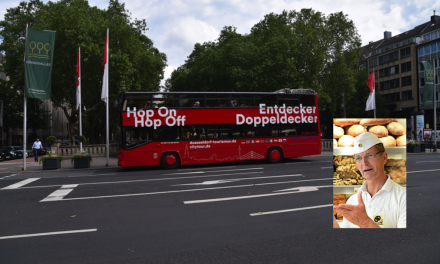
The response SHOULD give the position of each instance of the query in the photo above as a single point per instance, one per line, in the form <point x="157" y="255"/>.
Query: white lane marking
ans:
<point x="303" y="188"/>
<point x="326" y="167"/>
<point x="162" y="179"/>
<point x="50" y="233"/>
<point x="190" y="190"/>
<point x="421" y="171"/>
<point x="7" y="176"/>
<point x="105" y="174"/>
<point x="60" y="193"/>
<point x="230" y="180"/>
<point x="291" y="210"/>
<point x="210" y="168"/>
<point x="213" y="171"/>
<point x="306" y="162"/>
<point x="299" y="190"/>
<point x="20" y="184"/>
<point x="209" y="182"/>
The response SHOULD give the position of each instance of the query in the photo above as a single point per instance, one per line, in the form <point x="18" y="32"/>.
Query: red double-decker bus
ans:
<point x="182" y="128"/>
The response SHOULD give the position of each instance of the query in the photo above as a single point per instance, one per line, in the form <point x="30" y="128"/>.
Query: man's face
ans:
<point x="38" y="139"/>
<point x="371" y="165"/>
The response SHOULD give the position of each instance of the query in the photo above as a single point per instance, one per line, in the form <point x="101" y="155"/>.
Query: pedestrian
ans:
<point x="420" y="136"/>
<point x="380" y="201"/>
<point x="36" y="148"/>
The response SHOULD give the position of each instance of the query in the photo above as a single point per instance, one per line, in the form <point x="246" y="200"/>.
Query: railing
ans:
<point x="93" y="150"/>
<point x="327" y="144"/>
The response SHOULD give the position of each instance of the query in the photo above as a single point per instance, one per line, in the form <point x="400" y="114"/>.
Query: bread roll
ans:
<point x="396" y="128"/>
<point x="342" y="122"/>
<point x="376" y="121"/>
<point x="379" y="131"/>
<point x="401" y="141"/>
<point x="356" y="130"/>
<point x="346" y="141"/>
<point x="338" y="132"/>
<point x="335" y="143"/>
<point x="388" y="141"/>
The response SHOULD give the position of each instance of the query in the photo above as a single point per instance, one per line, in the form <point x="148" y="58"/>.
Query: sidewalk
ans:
<point x="16" y="166"/>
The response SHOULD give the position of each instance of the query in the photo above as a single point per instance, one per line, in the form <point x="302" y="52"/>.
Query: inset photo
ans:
<point x="369" y="173"/>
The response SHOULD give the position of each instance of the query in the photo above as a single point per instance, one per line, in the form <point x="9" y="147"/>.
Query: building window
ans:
<point x="407" y="95"/>
<point x="389" y="71"/>
<point x="373" y="62"/>
<point x="391" y="84"/>
<point x="421" y="52"/>
<point x="392" y="97"/>
<point x="422" y="82"/>
<point x="406" y="52"/>
<point x="405" y="66"/>
<point x="427" y="50"/>
<point x="406" y="81"/>
<point x="389" y="57"/>
<point x="421" y="68"/>
<point x="434" y="47"/>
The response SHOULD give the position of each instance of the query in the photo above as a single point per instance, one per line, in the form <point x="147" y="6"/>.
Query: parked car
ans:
<point x="29" y="152"/>
<point x="11" y="153"/>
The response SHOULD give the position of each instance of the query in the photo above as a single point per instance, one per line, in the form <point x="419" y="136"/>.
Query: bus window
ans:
<point x="135" y="136"/>
<point x="219" y="131"/>
<point x="192" y="132"/>
<point x="165" y="133"/>
<point x="165" y="100"/>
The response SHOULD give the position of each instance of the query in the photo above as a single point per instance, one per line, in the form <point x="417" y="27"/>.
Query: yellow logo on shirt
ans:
<point x="378" y="219"/>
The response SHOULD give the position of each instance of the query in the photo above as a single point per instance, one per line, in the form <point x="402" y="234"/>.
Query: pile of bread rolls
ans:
<point x="337" y="200"/>
<point x="346" y="172"/>
<point x="396" y="168"/>
<point x="388" y="130"/>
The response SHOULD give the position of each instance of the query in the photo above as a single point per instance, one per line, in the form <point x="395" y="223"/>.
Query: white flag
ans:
<point x="78" y="81"/>
<point x="104" y="93"/>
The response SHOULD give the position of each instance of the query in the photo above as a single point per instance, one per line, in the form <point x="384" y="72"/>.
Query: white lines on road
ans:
<point x="293" y="190"/>
<point x="60" y="193"/>
<point x="50" y="233"/>
<point x="231" y="180"/>
<point x="422" y="171"/>
<point x="162" y="179"/>
<point x="20" y="184"/>
<point x="291" y="210"/>
<point x="212" y="171"/>
<point x="306" y="162"/>
<point x="211" y="168"/>
<point x="326" y="167"/>
<point x="190" y="190"/>
<point x="7" y="176"/>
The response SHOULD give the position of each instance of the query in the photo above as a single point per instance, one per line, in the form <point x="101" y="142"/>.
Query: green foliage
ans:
<point x="81" y="155"/>
<point x="294" y="49"/>
<point x="50" y="155"/>
<point x="82" y="139"/>
<point x="51" y="140"/>
<point x="133" y="62"/>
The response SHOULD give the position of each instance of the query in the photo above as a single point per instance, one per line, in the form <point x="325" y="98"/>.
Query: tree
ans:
<point x="134" y="62"/>
<point x="11" y="92"/>
<point x="303" y="49"/>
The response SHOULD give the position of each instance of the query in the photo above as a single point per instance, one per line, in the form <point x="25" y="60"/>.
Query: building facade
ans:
<point x="395" y="60"/>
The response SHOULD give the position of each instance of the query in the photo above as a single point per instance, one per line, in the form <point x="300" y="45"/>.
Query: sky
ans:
<point x="176" y="25"/>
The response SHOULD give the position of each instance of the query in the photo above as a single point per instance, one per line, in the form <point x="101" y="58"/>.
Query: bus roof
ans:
<point x="282" y="91"/>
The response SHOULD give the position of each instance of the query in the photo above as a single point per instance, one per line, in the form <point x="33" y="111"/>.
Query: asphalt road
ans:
<point x="249" y="212"/>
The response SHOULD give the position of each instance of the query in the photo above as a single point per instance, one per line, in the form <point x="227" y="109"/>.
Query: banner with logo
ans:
<point x="38" y="63"/>
<point x="428" y="91"/>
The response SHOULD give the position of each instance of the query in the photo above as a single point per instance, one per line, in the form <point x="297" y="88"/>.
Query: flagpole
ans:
<point x="106" y="102"/>
<point x="24" y="109"/>
<point x="80" y="102"/>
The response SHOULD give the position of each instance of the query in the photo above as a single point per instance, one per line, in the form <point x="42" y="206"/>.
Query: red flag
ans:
<point x="104" y="93"/>
<point x="78" y="81"/>
<point x="371" y="102"/>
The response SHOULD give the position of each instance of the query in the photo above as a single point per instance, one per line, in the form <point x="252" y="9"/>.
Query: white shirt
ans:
<point x="37" y="145"/>
<point x="387" y="207"/>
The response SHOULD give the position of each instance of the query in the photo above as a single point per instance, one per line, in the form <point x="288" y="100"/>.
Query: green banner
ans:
<point x="38" y="63"/>
<point x="428" y="91"/>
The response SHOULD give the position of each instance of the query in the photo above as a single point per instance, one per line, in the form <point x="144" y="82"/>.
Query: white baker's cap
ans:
<point x="365" y="141"/>
<point x="197" y="102"/>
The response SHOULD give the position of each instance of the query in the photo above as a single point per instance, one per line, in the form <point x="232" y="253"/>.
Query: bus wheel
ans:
<point x="274" y="155"/>
<point x="170" y="160"/>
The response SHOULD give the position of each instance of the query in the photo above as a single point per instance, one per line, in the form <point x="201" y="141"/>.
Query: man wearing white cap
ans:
<point x="380" y="201"/>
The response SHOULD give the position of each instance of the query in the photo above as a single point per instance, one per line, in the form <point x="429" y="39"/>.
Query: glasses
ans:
<point x="368" y="157"/>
